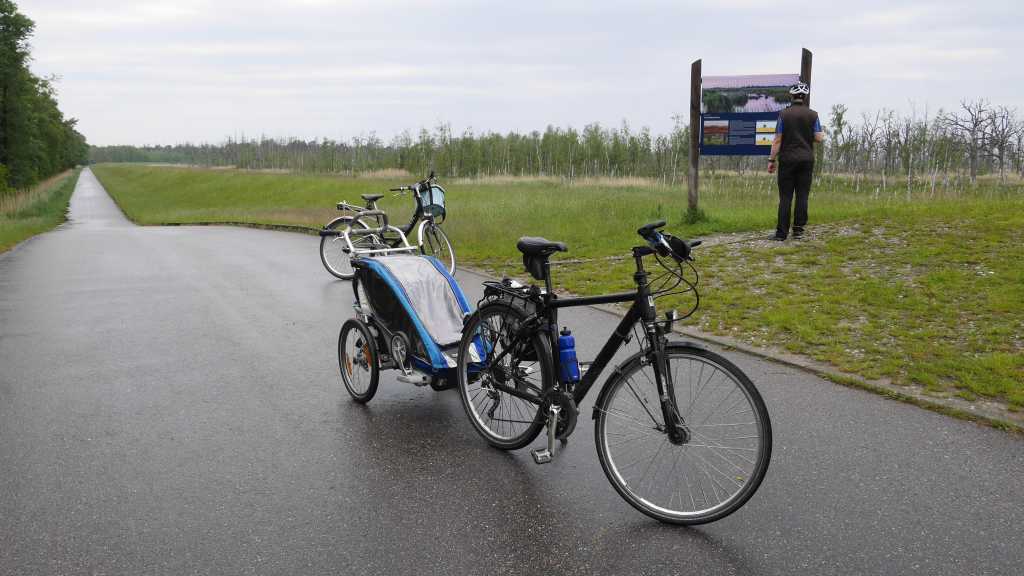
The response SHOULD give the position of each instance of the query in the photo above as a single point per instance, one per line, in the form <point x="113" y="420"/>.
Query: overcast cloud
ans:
<point x="160" y="72"/>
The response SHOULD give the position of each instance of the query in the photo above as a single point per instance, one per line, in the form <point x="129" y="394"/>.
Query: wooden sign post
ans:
<point x="805" y="71"/>
<point x="692" y="180"/>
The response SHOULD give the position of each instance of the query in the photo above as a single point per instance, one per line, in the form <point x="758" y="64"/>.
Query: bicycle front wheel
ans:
<point x="726" y="448"/>
<point x="334" y="251"/>
<point x="357" y="359"/>
<point x="503" y="375"/>
<point x="434" y="242"/>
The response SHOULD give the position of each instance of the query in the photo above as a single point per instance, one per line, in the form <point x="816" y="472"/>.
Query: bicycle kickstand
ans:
<point x="544" y="455"/>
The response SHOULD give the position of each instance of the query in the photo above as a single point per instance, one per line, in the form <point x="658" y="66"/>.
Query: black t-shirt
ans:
<point x="797" y="124"/>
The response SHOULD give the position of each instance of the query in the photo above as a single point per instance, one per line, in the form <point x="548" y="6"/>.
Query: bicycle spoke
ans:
<point x="638" y="425"/>
<point x="642" y="403"/>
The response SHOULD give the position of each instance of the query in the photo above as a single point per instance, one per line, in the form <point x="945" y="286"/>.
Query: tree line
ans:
<point x="36" y="140"/>
<point x="567" y="152"/>
<point x="978" y="138"/>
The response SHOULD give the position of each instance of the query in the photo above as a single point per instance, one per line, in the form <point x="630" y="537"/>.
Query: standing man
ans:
<point x="796" y="132"/>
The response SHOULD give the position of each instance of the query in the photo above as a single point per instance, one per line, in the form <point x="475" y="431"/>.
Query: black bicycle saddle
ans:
<point x="534" y="246"/>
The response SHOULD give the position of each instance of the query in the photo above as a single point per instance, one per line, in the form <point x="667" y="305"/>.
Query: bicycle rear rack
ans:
<point x="511" y="290"/>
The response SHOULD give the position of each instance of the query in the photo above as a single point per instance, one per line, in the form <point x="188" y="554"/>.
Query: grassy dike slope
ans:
<point x="35" y="211"/>
<point x="922" y="288"/>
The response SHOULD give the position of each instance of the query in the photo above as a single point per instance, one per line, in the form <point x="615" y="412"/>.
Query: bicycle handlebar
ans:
<point x="417" y="186"/>
<point x="666" y="244"/>
<point x="646" y="231"/>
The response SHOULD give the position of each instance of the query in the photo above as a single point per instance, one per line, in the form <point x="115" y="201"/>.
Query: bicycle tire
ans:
<point x="434" y="242"/>
<point x="332" y="254"/>
<point x="505" y="420"/>
<point x="719" y="456"/>
<point x="363" y="356"/>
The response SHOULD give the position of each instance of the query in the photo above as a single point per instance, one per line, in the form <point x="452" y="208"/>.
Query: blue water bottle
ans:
<point x="570" y="367"/>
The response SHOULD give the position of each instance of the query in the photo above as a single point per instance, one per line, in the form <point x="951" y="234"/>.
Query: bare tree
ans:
<point x="970" y="125"/>
<point x="1000" y="130"/>
<point x="890" y="139"/>
<point x="1020" y="148"/>
<point x="906" y="131"/>
<point x="868" y="142"/>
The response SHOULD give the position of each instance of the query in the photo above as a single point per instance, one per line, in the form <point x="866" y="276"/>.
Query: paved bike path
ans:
<point x="169" y="403"/>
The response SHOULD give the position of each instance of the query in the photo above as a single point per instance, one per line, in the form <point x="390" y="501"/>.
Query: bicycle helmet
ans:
<point x="799" y="90"/>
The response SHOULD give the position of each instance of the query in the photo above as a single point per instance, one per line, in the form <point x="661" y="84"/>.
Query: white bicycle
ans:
<point x="365" y="231"/>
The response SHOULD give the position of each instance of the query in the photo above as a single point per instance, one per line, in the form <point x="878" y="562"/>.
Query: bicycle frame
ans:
<point x="643" y="310"/>
<point x="417" y="215"/>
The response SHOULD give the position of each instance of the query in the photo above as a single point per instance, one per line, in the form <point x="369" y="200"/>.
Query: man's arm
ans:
<point x="776" y="145"/>
<point x="819" y="134"/>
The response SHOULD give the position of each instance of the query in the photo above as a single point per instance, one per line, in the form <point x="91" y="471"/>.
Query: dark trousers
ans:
<point x="793" y="177"/>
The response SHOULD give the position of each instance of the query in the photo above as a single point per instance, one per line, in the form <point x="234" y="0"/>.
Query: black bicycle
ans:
<point x="354" y="234"/>
<point x="682" y="433"/>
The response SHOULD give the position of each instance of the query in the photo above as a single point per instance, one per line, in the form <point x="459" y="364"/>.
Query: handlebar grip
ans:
<point x="647" y="229"/>
<point x="399" y="189"/>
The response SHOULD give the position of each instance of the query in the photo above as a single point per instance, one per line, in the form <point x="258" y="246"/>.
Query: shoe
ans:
<point x="778" y="238"/>
<point x="798" y="234"/>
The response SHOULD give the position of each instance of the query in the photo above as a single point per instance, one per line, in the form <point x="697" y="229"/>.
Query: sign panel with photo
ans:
<point x="739" y="113"/>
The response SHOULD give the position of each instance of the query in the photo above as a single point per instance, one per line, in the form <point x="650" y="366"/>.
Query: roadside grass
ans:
<point x="926" y="295"/>
<point x="922" y="286"/>
<point x="594" y="218"/>
<point x="25" y="214"/>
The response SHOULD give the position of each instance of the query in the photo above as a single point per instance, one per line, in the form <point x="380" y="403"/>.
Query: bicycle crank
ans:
<point x="567" y="417"/>
<point x="544" y="455"/>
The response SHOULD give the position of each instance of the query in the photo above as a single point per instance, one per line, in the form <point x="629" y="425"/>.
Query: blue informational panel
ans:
<point x="737" y="133"/>
<point x="738" y="113"/>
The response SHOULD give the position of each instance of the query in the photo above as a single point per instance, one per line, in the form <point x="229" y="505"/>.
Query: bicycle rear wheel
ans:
<point x="334" y="252"/>
<point x="709" y="475"/>
<point x="503" y="375"/>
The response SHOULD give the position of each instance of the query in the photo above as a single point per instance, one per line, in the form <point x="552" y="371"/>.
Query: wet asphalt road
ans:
<point x="170" y="404"/>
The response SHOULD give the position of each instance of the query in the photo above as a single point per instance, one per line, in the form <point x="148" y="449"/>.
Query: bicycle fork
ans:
<point x="675" y="426"/>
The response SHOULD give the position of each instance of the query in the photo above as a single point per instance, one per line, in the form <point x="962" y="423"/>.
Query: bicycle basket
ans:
<point x="432" y="202"/>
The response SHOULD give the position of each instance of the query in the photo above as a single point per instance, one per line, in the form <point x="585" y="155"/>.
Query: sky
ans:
<point x="172" y="71"/>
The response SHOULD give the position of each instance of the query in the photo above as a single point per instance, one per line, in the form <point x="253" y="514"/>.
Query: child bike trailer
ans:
<point x="409" y="315"/>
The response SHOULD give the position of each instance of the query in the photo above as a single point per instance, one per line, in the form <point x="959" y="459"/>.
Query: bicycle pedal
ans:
<point x="541" y="455"/>
<point x="416" y="379"/>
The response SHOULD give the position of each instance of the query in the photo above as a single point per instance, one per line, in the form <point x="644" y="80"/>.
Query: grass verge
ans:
<point x="25" y="214"/>
<point x="920" y="286"/>
<point x="929" y="295"/>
